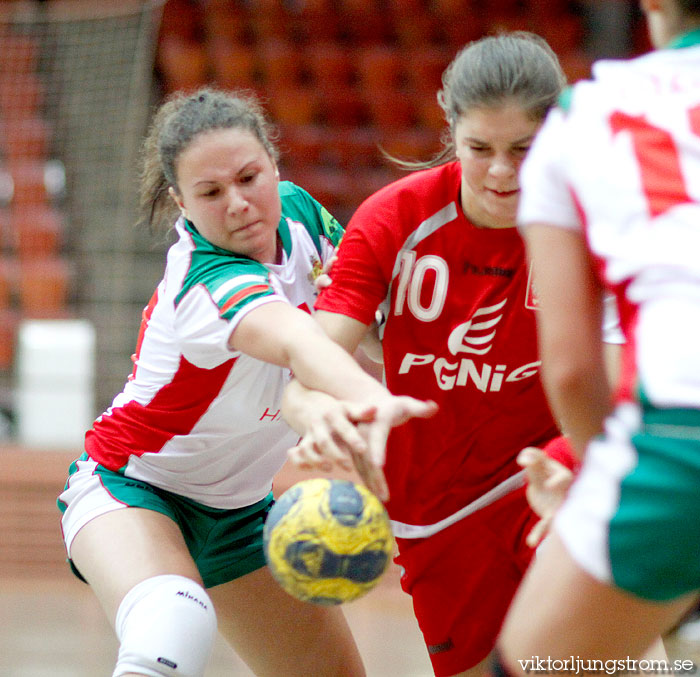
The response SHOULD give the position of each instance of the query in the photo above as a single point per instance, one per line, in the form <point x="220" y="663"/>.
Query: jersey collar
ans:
<point x="282" y="229"/>
<point x="285" y="235"/>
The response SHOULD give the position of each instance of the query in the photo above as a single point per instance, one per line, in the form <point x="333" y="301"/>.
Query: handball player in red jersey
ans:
<point x="438" y="255"/>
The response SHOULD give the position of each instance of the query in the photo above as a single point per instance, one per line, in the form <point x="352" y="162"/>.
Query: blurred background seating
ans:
<point x="343" y="80"/>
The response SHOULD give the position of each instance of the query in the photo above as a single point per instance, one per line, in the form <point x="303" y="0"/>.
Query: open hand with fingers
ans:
<point x="548" y="482"/>
<point x="350" y="434"/>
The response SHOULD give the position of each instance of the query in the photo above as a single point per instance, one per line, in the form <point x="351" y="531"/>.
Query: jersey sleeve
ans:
<point x="545" y="193"/>
<point x="359" y="281"/>
<point x="215" y="300"/>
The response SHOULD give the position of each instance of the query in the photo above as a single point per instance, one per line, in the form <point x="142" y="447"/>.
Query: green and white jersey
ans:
<point x="195" y="417"/>
<point x="619" y="161"/>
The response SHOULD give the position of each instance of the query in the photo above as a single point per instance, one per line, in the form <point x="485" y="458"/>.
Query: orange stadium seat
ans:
<point x="328" y="185"/>
<point x="274" y="8"/>
<point x="564" y="33"/>
<point x="183" y="19"/>
<point x="330" y="65"/>
<point x="364" y="22"/>
<point x="549" y="9"/>
<point x="453" y="10"/>
<point x="314" y="6"/>
<point x="268" y="20"/>
<point x="358" y="6"/>
<point x="44" y="286"/>
<point x="344" y="106"/>
<point x="457" y="33"/>
<point x="500" y="22"/>
<point x="37" y="231"/>
<point x="223" y="19"/>
<point x="424" y="68"/>
<point x="21" y="94"/>
<point x="279" y="62"/>
<point x="233" y="65"/>
<point x="380" y="68"/>
<point x="303" y="145"/>
<point x="391" y="109"/>
<point x="415" y="29"/>
<point x="429" y="113"/>
<point x="26" y="137"/>
<point x="183" y="63"/>
<point x="29" y="183"/>
<point x="314" y="21"/>
<point x="367" y="182"/>
<point x="293" y="104"/>
<point x="407" y="7"/>
<point x="357" y="147"/>
<point x="419" y="29"/>
<point x="502" y="7"/>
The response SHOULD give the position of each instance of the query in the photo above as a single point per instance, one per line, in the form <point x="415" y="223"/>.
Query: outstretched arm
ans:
<point x="332" y="392"/>
<point x="346" y="433"/>
<point x="280" y="334"/>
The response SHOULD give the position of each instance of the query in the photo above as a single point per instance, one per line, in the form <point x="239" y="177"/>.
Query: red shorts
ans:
<point x="463" y="578"/>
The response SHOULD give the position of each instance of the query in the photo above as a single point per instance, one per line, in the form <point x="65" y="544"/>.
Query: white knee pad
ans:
<point x="166" y="626"/>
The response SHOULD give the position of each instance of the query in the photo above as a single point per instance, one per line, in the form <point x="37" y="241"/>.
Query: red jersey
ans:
<point x="460" y="329"/>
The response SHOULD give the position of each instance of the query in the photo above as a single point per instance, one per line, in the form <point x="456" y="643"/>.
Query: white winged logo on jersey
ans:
<point x="475" y="337"/>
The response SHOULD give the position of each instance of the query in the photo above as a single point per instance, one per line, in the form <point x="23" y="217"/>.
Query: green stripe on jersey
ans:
<point x="690" y="39"/>
<point x="231" y="280"/>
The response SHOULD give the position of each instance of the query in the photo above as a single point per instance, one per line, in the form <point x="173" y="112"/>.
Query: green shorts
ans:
<point x="632" y="518"/>
<point x="225" y="544"/>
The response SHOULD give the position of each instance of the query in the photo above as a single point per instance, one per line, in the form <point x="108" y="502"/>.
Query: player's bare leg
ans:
<point x="589" y="619"/>
<point x="119" y="549"/>
<point x="276" y="634"/>
<point x="138" y="566"/>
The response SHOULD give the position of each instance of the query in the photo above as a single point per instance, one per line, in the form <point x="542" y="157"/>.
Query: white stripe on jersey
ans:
<point x="238" y="281"/>
<point x="426" y="228"/>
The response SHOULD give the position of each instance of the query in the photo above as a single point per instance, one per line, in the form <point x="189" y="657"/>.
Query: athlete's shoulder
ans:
<point x="614" y="82"/>
<point x="212" y="266"/>
<point x="300" y="206"/>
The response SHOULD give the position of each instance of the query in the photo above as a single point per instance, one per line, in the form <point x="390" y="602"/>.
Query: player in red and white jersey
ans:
<point x="455" y="295"/>
<point x="439" y="254"/>
<point x="611" y="200"/>
<point x="163" y="514"/>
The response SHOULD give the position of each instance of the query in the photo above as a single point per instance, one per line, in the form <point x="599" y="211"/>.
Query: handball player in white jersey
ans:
<point x="438" y="252"/>
<point x="611" y="200"/>
<point x="163" y="513"/>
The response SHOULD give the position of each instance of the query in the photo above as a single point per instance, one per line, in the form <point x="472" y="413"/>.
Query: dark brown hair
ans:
<point x="175" y="125"/>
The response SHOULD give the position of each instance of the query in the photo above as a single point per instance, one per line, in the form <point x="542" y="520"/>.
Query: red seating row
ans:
<point x="352" y="148"/>
<point x="321" y="64"/>
<point x="352" y="21"/>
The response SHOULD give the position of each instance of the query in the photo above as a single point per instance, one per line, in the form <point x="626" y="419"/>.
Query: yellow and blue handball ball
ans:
<point x="328" y="541"/>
